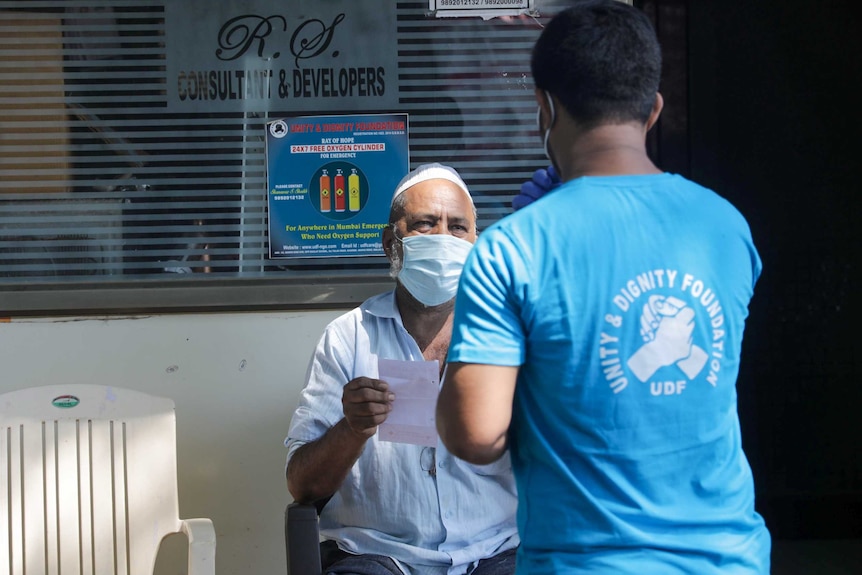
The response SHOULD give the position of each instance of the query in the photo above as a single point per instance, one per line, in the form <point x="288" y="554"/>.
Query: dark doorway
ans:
<point x="762" y="106"/>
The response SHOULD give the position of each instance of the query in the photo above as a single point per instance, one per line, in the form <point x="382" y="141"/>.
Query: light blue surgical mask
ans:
<point x="432" y="266"/>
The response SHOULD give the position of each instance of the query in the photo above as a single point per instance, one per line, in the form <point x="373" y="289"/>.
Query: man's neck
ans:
<point x="430" y="327"/>
<point x="608" y="150"/>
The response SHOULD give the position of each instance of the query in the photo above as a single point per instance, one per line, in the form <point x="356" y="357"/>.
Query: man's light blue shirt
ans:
<point x="392" y="503"/>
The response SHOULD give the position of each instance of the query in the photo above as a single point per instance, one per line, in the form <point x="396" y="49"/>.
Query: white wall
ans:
<point x="235" y="379"/>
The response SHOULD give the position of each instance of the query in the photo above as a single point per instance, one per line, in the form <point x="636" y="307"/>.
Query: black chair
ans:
<point x="302" y="537"/>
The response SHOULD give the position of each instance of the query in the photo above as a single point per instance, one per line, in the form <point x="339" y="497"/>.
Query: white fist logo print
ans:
<point x="666" y="327"/>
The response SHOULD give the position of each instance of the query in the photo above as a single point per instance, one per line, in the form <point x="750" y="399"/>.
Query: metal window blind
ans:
<point x="101" y="184"/>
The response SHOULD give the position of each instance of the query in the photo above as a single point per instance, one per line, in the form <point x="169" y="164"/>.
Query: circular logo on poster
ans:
<point x="338" y="190"/>
<point x="278" y="129"/>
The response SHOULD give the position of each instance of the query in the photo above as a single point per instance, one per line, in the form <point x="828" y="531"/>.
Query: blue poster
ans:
<point x="330" y="181"/>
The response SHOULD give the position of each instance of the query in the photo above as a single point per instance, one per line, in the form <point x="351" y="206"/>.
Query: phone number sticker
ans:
<point x="483" y="8"/>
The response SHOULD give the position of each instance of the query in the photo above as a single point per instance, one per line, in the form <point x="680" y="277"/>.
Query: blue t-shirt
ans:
<point x="623" y="299"/>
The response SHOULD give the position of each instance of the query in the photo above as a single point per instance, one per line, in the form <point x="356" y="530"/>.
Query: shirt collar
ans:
<point x="384" y="306"/>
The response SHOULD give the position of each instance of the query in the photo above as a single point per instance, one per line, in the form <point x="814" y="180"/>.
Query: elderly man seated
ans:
<point x="398" y="508"/>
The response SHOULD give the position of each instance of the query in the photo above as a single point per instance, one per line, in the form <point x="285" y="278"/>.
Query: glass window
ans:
<point x="132" y="161"/>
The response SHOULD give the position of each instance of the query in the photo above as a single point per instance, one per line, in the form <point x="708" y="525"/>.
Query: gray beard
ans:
<point x="395" y="265"/>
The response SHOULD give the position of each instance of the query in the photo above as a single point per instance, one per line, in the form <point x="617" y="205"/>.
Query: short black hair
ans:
<point x="602" y="60"/>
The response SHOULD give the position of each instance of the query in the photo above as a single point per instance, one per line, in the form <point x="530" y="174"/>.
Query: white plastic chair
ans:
<point x="88" y="483"/>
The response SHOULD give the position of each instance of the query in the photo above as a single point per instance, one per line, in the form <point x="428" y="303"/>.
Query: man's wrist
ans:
<point x="359" y="435"/>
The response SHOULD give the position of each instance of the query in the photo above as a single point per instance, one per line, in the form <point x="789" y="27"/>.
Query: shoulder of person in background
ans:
<point x="543" y="181"/>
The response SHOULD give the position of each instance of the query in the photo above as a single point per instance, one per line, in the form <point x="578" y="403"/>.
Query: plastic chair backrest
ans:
<point x="88" y="482"/>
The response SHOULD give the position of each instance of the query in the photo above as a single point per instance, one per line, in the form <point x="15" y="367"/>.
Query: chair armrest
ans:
<point x="302" y="539"/>
<point x="202" y="545"/>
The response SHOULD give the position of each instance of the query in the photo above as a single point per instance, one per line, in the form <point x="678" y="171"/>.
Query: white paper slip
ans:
<point x="415" y="385"/>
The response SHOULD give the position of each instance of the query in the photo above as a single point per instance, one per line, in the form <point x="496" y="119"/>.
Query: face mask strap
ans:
<point x="550" y="125"/>
<point x="553" y="114"/>
<point x="553" y="110"/>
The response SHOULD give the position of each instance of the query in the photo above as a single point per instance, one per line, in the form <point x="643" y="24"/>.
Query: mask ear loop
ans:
<point x="553" y="110"/>
<point x="550" y="125"/>
<point x="553" y="113"/>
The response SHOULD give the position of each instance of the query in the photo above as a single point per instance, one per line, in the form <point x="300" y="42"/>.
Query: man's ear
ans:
<point x="655" y="112"/>
<point x="388" y="239"/>
<point x="543" y="99"/>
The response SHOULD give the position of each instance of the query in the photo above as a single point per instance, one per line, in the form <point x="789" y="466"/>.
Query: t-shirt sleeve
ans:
<point x="488" y="326"/>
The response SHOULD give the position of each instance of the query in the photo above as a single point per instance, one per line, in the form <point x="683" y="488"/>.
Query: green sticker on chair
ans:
<point x="65" y="401"/>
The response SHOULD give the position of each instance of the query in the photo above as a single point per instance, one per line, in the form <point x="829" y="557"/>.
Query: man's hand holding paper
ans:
<point x="366" y="403"/>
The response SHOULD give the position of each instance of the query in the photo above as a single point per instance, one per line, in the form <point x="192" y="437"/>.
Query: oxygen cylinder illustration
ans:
<point x="339" y="191"/>
<point x="353" y="191"/>
<point x="325" y="193"/>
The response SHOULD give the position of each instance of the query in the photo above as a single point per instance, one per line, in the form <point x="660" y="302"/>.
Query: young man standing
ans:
<point x="598" y="332"/>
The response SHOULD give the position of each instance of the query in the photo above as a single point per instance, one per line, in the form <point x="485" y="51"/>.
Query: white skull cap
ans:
<point x="430" y="172"/>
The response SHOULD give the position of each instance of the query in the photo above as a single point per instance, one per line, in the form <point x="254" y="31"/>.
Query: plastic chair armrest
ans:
<point x="303" y="539"/>
<point x="202" y="545"/>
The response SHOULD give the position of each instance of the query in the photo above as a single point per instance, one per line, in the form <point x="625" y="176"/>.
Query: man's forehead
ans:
<point x="435" y="195"/>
